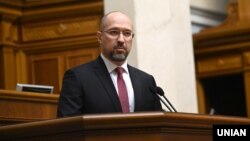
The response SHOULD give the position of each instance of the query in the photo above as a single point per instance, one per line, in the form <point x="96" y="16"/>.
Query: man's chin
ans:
<point x="119" y="57"/>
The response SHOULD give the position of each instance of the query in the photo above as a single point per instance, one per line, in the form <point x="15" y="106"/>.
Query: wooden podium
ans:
<point x="157" y="126"/>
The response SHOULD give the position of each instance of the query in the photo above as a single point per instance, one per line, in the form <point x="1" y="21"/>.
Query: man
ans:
<point x="98" y="86"/>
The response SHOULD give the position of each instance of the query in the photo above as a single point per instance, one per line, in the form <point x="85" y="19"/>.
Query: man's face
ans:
<point x="116" y="37"/>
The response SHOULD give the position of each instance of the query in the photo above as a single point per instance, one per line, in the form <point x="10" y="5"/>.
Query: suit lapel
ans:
<point x="104" y="77"/>
<point x="136" y="86"/>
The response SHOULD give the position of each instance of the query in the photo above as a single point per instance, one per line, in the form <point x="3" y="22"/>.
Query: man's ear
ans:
<point x="99" y="36"/>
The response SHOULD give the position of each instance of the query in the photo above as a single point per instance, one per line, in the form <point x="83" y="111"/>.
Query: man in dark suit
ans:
<point x="94" y="87"/>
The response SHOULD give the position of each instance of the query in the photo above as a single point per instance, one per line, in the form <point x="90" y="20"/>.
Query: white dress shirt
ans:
<point x="111" y="69"/>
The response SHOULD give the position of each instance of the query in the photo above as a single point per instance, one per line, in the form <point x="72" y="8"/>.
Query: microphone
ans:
<point x="159" y="92"/>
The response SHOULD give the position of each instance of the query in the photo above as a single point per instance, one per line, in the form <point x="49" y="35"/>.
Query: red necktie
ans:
<point x="122" y="90"/>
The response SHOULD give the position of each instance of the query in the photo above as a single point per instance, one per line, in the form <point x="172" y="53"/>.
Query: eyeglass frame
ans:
<point x="118" y="34"/>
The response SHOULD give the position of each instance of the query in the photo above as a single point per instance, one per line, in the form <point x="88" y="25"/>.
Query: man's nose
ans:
<point x="121" y="37"/>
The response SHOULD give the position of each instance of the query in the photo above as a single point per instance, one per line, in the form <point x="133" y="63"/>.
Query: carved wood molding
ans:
<point x="27" y="21"/>
<point x="78" y="26"/>
<point x="238" y="18"/>
<point x="28" y="96"/>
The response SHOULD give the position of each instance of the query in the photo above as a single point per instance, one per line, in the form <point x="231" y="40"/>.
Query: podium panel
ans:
<point x="156" y="126"/>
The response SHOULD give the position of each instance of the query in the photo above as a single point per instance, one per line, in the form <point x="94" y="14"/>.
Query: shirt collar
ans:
<point x="111" y="66"/>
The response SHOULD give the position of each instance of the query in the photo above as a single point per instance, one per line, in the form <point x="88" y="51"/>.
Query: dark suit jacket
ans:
<point x="88" y="89"/>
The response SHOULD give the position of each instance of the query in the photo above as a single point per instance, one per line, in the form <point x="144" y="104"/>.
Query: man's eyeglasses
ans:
<point x="116" y="33"/>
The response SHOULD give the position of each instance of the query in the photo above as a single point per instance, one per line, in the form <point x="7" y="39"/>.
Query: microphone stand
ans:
<point x="169" y="104"/>
<point x="164" y="103"/>
<point x="159" y="92"/>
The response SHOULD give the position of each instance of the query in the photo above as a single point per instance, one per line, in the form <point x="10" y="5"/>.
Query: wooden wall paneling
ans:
<point x="247" y="91"/>
<point x="81" y="56"/>
<point x="244" y="13"/>
<point x="246" y="59"/>
<point x="39" y="41"/>
<point x="2" y="79"/>
<point x="223" y="62"/>
<point x="221" y="74"/>
<point x="9" y="28"/>
<point x="202" y="103"/>
<point x="47" y="33"/>
<point x="59" y="28"/>
<point x="22" y="68"/>
<point x="58" y="33"/>
<point x="219" y="63"/>
<point x="46" y="70"/>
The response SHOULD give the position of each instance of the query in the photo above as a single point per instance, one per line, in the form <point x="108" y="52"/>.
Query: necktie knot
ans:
<point x="119" y="71"/>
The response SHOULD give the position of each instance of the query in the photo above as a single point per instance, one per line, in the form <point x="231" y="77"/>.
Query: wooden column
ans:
<point x="8" y="37"/>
